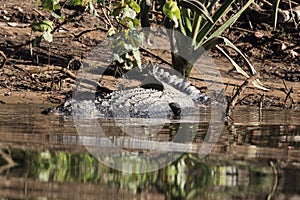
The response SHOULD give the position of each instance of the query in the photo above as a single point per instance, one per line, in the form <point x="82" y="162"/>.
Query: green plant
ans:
<point x="126" y="44"/>
<point x="47" y="26"/>
<point x="275" y="9"/>
<point x="196" y="20"/>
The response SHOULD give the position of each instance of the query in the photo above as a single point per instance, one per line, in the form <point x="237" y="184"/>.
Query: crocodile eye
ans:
<point x="176" y="109"/>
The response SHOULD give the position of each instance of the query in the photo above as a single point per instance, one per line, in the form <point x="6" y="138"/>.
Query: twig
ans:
<point x="288" y="92"/>
<point x="90" y="30"/>
<point x="68" y="72"/>
<point x="242" y="98"/>
<point x="288" y="96"/>
<point x="221" y="94"/>
<point x="218" y="82"/>
<point x="39" y="13"/>
<point x="62" y="69"/>
<point x="261" y="101"/>
<point x="293" y="17"/>
<point x="106" y="17"/>
<point x="234" y="99"/>
<point x="284" y="83"/>
<point x="4" y="59"/>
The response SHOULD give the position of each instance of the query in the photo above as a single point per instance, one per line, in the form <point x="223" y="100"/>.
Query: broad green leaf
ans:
<point x="50" y="4"/>
<point x="215" y="18"/>
<point x="43" y="26"/>
<point x="129" y="24"/>
<point x="171" y="10"/>
<point x="128" y="12"/>
<point x="187" y="21"/>
<point x="135" y="39"/>
<point x="48" y="36"/>
<point x="75" y="2"/>
<point x="137" y="56"/>
<point x="79" y="2"/>
<point x="46" y="25"/>
<point x="136" y="22"/>
<point x="134" y="5"/>
<point x="56" y="7"/>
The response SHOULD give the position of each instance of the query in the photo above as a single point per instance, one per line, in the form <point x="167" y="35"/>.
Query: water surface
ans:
<point x="256" y="157"/>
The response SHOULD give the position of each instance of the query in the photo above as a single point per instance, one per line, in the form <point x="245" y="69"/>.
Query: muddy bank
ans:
<point x="46" y="74"/>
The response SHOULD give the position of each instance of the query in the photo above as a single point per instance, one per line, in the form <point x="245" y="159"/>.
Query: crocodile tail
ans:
<point x="174" y="80"/>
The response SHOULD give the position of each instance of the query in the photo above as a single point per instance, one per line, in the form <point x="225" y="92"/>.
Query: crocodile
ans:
<point x="171" y="97"/>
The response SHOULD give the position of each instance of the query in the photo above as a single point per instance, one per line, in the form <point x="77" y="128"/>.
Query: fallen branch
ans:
<point x="66" y="71"/>
<point x="35" y="70"/>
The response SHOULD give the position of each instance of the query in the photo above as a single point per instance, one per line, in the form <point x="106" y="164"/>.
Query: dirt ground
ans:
<point x="46" y="74"/>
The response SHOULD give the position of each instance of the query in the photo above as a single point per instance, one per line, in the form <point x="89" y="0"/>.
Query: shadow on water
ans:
<point x="256" y="157"/>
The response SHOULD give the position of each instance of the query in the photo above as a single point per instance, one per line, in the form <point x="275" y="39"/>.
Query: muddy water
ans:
<point x="255" y="157"/>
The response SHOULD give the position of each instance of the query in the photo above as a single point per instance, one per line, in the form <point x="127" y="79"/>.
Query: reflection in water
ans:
<point x="256" y="157"/>
<point x="186" y="177"/>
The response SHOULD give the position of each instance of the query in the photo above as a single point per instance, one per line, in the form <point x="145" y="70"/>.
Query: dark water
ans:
<point x="43" y="157"/>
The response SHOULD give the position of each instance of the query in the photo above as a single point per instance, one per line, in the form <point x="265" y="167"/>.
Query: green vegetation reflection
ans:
<point x="187" y="178"/>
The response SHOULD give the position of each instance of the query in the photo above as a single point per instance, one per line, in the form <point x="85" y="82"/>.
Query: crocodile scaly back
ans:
<point x="176" y="99"/>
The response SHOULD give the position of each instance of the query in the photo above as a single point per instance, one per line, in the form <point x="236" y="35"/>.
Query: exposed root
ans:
<point x="10" y="162"/>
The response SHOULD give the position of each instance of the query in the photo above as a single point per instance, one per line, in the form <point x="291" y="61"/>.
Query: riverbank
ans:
<point x="46" y="74"/>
